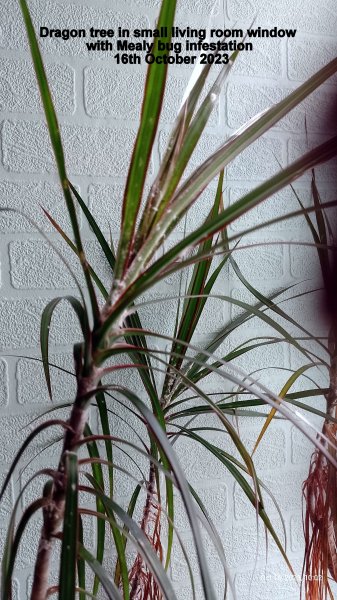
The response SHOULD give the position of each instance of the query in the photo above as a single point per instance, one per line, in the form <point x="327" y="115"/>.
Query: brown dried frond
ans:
<point x="143" y="584"/>
<point x="320" y="524"/>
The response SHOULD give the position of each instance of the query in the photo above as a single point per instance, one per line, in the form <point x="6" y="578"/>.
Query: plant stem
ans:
<point x="53" y="512"/>
<point x="136" y="571"/>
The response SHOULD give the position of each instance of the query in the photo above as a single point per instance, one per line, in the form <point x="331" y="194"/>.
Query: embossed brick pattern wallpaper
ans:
<point x="98" y="105"/>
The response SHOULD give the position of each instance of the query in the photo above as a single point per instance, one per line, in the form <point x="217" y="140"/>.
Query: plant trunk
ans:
<point x="144" y="586"/>
<point x="53" y="512"/>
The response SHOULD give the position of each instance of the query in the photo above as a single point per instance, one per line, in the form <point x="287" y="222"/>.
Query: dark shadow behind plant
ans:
<point x="113" y="328"/>
<point x="319" y="490"/>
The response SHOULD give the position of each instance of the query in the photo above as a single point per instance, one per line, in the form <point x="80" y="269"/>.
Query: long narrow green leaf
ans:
<point x="231" y="464"/>
<point x="131" y="508"/>
<point x="189" y="143"/>
<point x="179" y="265"/>
<point x="13" y="538"/>
<point x="157" y="409"/>
<point x="100" y="527"/>
<point x="197" y="375"/>
<point x="319" y="215"/>
<point x="50" y="243"/>
<point x="261" y="315"/>
<point x="71" y="245"/>
<point x="67" y="579"/>
<point x="228" y="427"/>
<point x="45" y="330"/>
<point x="95" y="227"/>
<point x="11" y="549"/>
<point x="191" y="312"/>
<point x="319" y="155"/>
<point x="216" y="539"/>
<point x="142" y="543"/>
<point x="256" y="388"/>
<point x="104" y="420"/>
<point x="171" y="457"/>
<point x="152" y="102"/>
<point x="179" y="128"/>
<point x="81" y="563"/>
<point x="291" y="215"/>
<point x="271" y="305"/>
<point x="25" y="445"/>
<point x="55" y="137"/>
<point x="191" y="189"/>
<point x="127" y="535"/>
<point x="47" y="101"/>
<point x="146" y="374"/>
<point x="98" y="477"/>
<point x="131" y="321"/>
<point x="237" y="405"/>
<point x="320" y="237"/>
<point x="198" y="181"/>
<point x="194" y="372"/>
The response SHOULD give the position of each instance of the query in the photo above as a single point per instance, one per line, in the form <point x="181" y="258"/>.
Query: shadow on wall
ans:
<point x="330" y="282"/>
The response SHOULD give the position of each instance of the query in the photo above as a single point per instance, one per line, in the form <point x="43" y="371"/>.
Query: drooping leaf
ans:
<point x="282" y="394"/>
<point x="142" y="543"/>
<point x="168" y="455"/>
<point x="56" y="142"/>
<point x="45" y="330"/>
<point x="25" y="445"/>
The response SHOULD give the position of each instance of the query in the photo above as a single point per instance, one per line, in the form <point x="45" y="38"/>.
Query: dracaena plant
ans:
<point x="110" y="322"/>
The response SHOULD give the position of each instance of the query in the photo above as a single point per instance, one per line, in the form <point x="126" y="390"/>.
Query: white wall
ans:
<point x="97" y="103"/>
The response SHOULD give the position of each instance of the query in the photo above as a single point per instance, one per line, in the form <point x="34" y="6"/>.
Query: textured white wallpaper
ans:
<point x="98" y="105"/>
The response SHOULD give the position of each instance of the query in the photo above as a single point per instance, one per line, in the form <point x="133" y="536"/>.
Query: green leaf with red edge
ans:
<point x="270" y="304"/>
<point x="131" y="508"/>
<point x="235" y="468"/>
<point x="101" y="509"/>
<point x="28" y="440"/>
<point x="67" y="578"/>
<point x="141" y="542"/>
<point x="133" y="320"/>
<point x="190" y="137"/>
<point x="100" y="528"/>
<point x="13" y="537"/>
<point x="45" y="330"/>
<point x="322" y="153"/>
<point x="71" y="245"/>
<point x="203" y="175"/>
<point x="104" y="420"/>
<point x="81" y="563"/>
<point x="191" y="313"/>
<point x="169" y="459"/>
<point x="182" y="122"/>
<point x="109" y="255"/>
<point x="56" y="142"/>
<point x="151" y="108"/>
